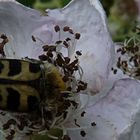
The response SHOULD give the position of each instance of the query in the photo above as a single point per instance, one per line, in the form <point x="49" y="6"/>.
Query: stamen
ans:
<point x="77" y="36"/>
<point x="66" y="29"/>
<point x="57" y="29"/>
<point x="61" y="104"/>
<point x="129" y="60"/>
<point x="35" y="39"/>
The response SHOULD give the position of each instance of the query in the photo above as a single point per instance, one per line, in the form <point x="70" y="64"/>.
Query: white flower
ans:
<point x="19" y="23"/>
<point x="87" y="17"/>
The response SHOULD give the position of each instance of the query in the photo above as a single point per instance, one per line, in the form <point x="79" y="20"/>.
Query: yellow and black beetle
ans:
<point x="25" y="82"/>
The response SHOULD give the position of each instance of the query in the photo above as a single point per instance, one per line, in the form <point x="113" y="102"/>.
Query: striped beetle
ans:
<point x="25" y="83"/>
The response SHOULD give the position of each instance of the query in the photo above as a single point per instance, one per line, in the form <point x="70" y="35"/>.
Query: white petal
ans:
<point x="117" y="116"/>
<point x="19" y="23"/>
<point x="119" y="75"/>
<point x="88" y="18"/>
<point x="102" y="131"/>
<point x="120" y="110"/>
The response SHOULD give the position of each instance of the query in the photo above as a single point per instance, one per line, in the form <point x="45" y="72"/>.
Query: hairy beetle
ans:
<point x="25" y="83"/>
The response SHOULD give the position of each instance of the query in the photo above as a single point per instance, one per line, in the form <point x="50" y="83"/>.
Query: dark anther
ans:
<point x="66" y="28"/>
<point x="43" y="57"/>
<point x="58" y="42"/>
<point x="49" y="54"/>
<point x="78" y="53"/>
<point x="66" y="44"/>
<point x="81" y="86"/>
<point x="68" y="39"/>
<point x="3" y="36"/>
<point x="67" y="60"/>
<point x="83" y="133"/>
<point x="115" y="71"/>
<point x="83" y="113"/>
<point x="93" y="124"/>
<point x="70" y="31"/>
<point x="72" y="64"/>
<point x="60" y="61"/>
<point x="49" y="48"/>
<point x="46" y="47"/>
<point x="77" y="36"/>
<point x="119" y="50"/>
<point x="33" y="38"/>
<point x="57" y="28"/>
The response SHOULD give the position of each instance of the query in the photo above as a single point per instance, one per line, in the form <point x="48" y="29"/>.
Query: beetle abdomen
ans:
<point x="18" y="98"/>
<point x="19" y="70"/>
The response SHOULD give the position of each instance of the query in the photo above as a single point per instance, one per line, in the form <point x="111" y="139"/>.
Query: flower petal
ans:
<point x="88" y="18"/>
<point x="19" y="23"/>
<point x="120" y="110"/>
<point x="116" y="115"/>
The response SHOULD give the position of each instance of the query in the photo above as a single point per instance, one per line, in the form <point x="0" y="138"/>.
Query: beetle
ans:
<point x="24" y="83"/>
<point x="18" y="97"/>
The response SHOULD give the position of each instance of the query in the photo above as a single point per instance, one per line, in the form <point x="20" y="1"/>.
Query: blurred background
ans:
<point x="122" y="15"/>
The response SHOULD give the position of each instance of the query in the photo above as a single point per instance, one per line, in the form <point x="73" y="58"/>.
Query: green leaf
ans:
<point x="64" y="2"/>
<point x="28" y="3"/>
